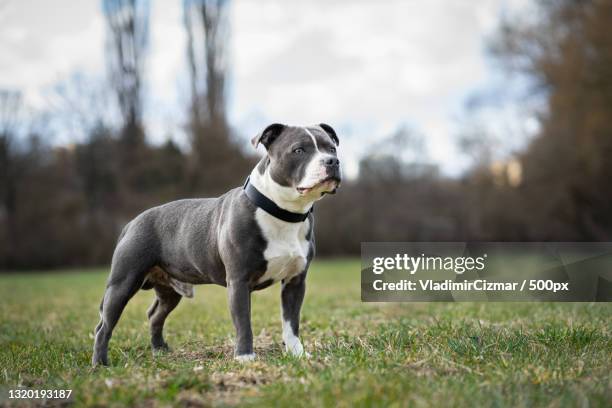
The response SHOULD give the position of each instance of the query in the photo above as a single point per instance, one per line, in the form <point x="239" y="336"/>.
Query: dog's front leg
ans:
<point x="292" y="296"/>
<point x="240" y="308"/>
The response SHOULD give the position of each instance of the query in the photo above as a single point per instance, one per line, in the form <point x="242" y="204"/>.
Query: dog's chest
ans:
<point x="287" y="247"/>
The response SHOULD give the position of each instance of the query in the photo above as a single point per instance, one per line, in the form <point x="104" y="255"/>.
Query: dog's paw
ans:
<point x="244" y="358"/>
<point x="158" y="351"/>
<point x="296" y="349"/>
<point x="99" y="362"/>
<point x="160" y="348"/>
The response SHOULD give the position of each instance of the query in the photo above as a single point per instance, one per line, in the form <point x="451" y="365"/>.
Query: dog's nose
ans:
<point x="331" y="162"/>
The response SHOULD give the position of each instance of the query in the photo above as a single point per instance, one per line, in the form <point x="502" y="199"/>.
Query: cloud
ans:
<point x="307" y="60"/>
<point x="45" y="41"/>
<point x="365" y="67"/>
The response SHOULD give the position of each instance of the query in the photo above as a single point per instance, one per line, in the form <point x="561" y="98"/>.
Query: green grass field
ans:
<point x="460" y="354"/>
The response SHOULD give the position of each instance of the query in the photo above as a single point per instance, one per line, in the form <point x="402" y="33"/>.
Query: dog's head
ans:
<point x="301" y="158"/>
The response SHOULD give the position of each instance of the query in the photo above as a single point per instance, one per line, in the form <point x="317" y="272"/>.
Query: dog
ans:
<point x="246" y="240"/>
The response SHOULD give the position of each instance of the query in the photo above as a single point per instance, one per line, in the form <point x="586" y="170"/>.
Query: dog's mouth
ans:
<point x="328" y="185"/>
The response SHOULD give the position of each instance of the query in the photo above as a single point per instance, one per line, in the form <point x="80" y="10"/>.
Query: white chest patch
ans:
<point x="287" y="248"/>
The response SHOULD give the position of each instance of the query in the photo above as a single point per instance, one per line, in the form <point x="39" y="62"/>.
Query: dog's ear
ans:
<point x="330" y="131"/>
<point x="268" y="135"/>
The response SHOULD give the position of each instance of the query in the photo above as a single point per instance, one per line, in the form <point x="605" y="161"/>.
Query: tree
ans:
<point x="128" y="32"/>
<point x="10" y="170"/>
<point x="207" y="27"/>
<point x="80" y="104"/>
<point x="567" y="52"/>
<point x="211" y="170"/>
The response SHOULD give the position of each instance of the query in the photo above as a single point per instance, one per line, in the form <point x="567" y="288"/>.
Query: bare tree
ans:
<point x="10" y="106"/>
<point x="10" y="164"/>
<point x="207" y="26"/>
<point x="81" y="104"/>
<point x="568" y="54"/>
<point x="128" y="31"/>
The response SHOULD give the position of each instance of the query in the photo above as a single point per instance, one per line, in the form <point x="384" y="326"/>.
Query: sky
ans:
<point x="365" y="67"/>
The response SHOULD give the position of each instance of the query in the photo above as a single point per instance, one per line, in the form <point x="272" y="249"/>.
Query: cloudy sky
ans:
<point x="365" y="67"/>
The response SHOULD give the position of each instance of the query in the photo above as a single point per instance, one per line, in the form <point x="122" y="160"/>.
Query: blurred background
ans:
<point x="458" y="120"/>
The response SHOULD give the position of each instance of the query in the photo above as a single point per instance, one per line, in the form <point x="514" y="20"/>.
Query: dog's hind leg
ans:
<point x="128" y="272"/>
<point x="167" y="299"/>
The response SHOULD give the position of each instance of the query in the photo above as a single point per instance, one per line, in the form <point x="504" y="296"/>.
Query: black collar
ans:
<point x="270" y="207"/>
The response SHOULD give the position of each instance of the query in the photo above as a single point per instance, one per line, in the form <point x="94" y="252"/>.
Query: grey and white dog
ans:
<point x="230" y="241"/>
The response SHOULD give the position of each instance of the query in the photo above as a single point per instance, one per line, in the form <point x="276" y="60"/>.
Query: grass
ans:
<point x="419" y="354"/>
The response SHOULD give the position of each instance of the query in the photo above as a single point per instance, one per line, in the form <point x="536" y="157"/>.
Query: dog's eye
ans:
<point x="299" y="150"/>
<point x="333" y="150"/>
